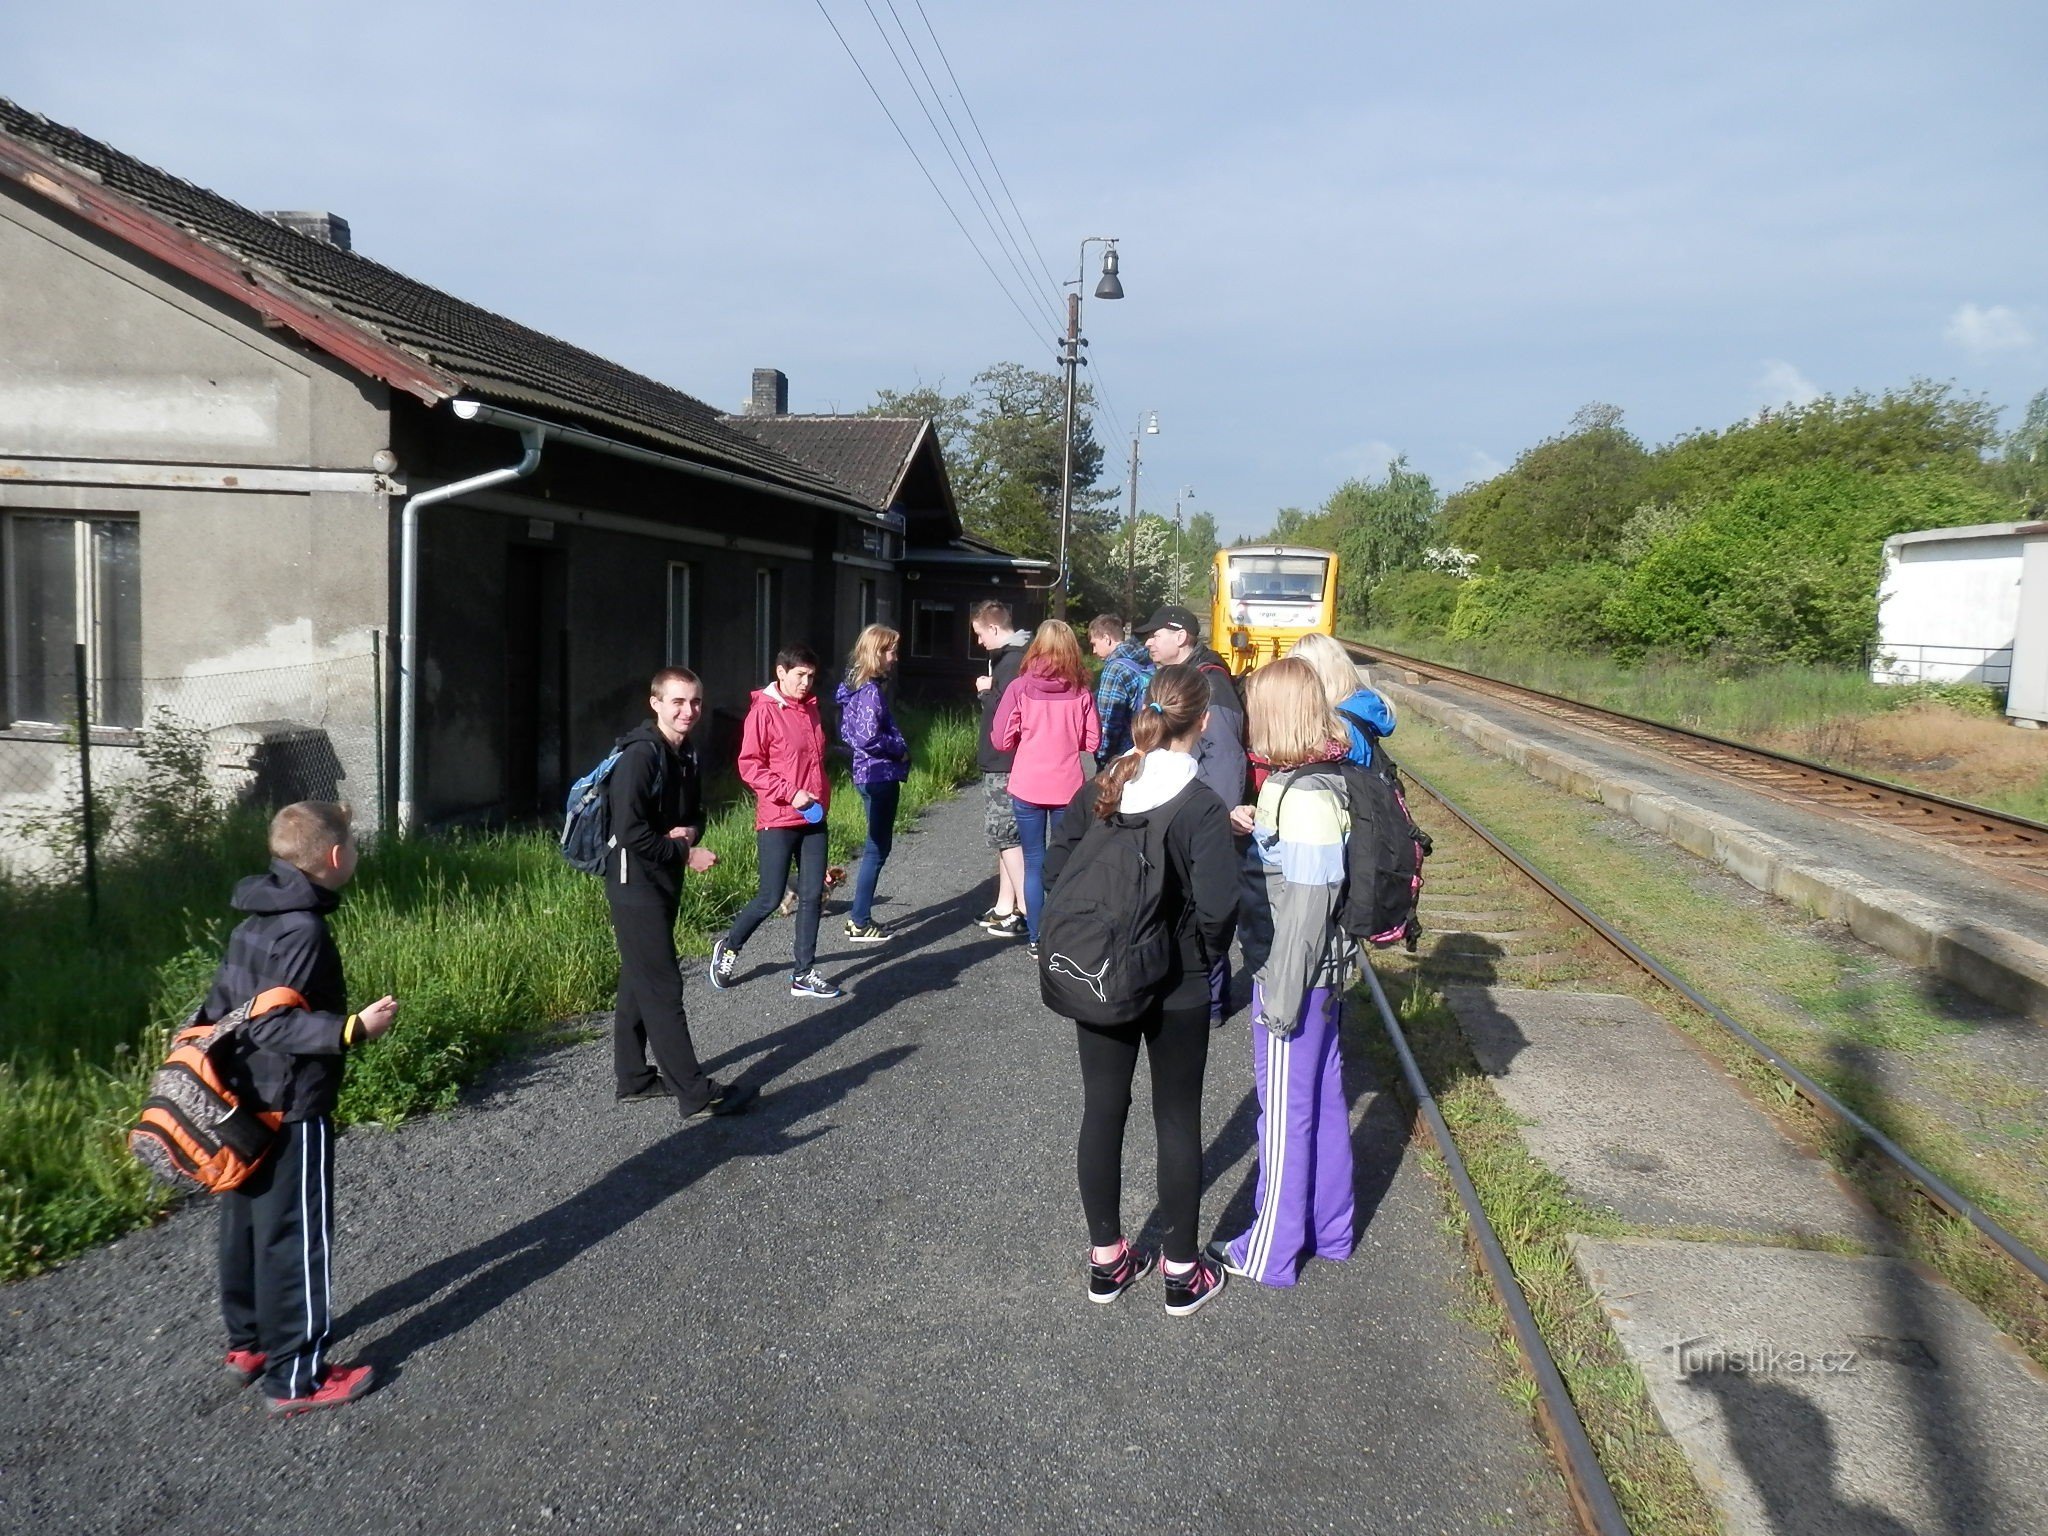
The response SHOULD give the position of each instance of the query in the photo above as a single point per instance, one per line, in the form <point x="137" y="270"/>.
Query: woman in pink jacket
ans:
<point x="782" y="760"/>
<point x="1048" y="717"/>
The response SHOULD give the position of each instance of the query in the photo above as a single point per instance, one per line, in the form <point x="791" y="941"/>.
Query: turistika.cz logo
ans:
<point x="1702" y="1356"/>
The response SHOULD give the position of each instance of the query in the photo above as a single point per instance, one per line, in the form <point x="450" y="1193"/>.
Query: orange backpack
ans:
<point x="194" y="1132"/>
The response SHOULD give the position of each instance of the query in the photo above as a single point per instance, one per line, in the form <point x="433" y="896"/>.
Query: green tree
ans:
<point x="1564" y="500"/>
<point x="2023" y="470"/>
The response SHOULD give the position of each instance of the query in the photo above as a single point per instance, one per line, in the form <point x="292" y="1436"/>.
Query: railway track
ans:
<point x="1550" y="948"/>
<point x="2011" y="846"/>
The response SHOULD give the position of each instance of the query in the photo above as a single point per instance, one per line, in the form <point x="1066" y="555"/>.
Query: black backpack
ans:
<point x="1104" y="945"/>
<point x="1383" y="856"/>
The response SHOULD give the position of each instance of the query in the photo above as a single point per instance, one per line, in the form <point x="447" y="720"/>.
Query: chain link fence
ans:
<point x="159" y="754"/>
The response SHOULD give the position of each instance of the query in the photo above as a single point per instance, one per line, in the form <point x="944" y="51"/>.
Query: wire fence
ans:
<point x="130" y="761"/>
<point x="1892" y="661"/>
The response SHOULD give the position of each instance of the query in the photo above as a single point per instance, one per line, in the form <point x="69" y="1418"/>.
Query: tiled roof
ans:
<point x="496" y="358"/>
<point x="866" y="455"/>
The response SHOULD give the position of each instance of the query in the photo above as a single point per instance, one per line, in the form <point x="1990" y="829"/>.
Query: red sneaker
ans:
<point x="343" y="1385"/>
<point x="245" y="1365"/>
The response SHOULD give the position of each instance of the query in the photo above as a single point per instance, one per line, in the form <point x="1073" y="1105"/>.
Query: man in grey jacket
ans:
<point x="1173" y="636"/>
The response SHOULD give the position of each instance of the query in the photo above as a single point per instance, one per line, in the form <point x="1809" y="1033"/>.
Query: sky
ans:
<point x="1346" y="231"/>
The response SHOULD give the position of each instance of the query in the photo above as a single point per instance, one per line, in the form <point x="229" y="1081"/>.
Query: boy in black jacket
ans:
<point x="277" y="1228"/>
<point x="657" y="821"/>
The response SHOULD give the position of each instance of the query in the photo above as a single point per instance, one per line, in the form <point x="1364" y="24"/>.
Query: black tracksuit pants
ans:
<point x="275" y="1232"/>
<point x="1176" y="1042"/>
<point x="650" y="1009"/>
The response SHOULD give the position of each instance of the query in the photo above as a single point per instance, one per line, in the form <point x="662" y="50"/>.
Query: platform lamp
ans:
<point x="1148" y="426"/>
<point x="1110" y="287"/>
<point x="1185" y="493"/>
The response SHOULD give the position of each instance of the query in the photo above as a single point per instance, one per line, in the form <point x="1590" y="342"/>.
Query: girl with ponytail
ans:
<point x="1153" y="786"/>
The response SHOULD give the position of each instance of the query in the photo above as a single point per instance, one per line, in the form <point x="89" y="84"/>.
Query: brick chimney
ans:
<point x="327" y="228"/>
<point x="771" y="393"/>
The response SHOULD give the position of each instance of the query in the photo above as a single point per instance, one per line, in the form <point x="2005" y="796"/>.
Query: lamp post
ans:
<point x="1148" y="424"/>
<point x="1185" y="493"/>
<point x="1073" y="362"/>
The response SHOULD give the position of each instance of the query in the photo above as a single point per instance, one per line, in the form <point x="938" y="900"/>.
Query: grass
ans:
<point x="1534" y="1214"/>
<point x="1948" y="738"/>
<point x="1848" y="1020"/>
<point x="485" y="939"/>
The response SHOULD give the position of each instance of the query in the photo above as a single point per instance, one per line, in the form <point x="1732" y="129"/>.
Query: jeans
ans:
<point x="776" y="848"/>
<point x="880" y="799"/>
<point x="1033" y="823"/>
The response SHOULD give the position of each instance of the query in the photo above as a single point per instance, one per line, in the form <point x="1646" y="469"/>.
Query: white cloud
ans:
<point x="1988" y="328"/>
<point x="1782" y="384"/>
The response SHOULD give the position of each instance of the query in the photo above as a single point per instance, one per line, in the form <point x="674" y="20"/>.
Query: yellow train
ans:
<point x="1264" y="597"/>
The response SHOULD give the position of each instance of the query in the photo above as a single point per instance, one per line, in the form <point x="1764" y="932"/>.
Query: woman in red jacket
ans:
<point x="1047" y="716"/>
<point x="782" y="760"/>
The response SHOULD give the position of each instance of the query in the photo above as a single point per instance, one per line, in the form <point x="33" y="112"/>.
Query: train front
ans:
<point x="1265" y="597"/>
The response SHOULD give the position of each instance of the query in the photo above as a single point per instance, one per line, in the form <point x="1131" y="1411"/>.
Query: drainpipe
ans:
<point x="533" y="434"/>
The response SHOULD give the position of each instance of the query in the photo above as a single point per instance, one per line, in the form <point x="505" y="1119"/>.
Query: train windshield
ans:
<point x="1278" y="578"/>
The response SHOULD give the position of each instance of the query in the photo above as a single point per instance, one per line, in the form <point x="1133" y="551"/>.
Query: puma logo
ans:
<point x="1060" y="965"/>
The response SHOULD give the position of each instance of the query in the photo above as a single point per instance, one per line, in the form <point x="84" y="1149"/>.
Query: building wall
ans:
<point x="244" y="462"/>
<point x="2027" y="702"/>
<point x="1947" y="609"/>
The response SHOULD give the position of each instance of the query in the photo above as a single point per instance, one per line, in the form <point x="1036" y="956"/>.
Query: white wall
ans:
<point x="1947" y="610"/>
<point x="2028" y="701"/>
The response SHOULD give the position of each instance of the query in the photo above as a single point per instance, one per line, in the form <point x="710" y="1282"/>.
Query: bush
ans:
<point x="1558" y="609"/>
<point x="1414" y="602"/>
<point x="1785" y="567"/>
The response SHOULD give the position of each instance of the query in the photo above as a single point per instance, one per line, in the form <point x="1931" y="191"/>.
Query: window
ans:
<point x="767" y="621"/>
<point x="882" y="543"/>
<point x="931" y="628"/>
<point x="681" y="613"/>
<point x="870" y="607"/>
<point x="73" y="581"/>
<point x="1277" y="578"/>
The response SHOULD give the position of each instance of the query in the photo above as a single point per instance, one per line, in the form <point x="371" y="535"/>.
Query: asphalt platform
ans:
<point x="859" y="1307"/>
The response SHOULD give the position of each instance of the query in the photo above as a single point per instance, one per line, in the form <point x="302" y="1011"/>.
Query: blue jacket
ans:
<point x="1365" y="715"/>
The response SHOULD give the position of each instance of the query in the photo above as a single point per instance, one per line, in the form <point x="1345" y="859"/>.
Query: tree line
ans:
<point x="1759" y="541"/>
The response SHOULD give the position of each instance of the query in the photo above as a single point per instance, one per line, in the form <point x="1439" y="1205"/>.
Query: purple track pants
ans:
<point x="1305" y="1199"/>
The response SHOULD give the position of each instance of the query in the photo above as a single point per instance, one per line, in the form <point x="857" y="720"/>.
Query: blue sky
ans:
<point x="1347" y="230"/>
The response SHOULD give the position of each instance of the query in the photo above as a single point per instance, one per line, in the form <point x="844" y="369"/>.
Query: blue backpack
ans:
<point x="586" y="840"/>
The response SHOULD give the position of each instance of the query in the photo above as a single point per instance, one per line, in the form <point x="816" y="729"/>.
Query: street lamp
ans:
<point x="1072" y="360"/>
<point x="1148" y="423"/>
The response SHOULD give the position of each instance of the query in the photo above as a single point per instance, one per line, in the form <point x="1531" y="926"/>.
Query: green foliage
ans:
<point x="1415" y="602"/>
<point x="1980" y="699"/>
<point x="1564" y="500"/>
<point x="1786" y="565"/>
<point x="1556" y="609"/>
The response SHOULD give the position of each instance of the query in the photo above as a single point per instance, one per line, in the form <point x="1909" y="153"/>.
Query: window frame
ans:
<point x="681" y="637"/>
<point x="89" y="621"/>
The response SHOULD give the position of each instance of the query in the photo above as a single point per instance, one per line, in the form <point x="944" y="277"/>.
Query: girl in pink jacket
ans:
<point x="1047" y="716"/>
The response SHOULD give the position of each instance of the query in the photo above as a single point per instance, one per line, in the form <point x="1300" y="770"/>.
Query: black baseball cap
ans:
<point x="1172" y="618"/>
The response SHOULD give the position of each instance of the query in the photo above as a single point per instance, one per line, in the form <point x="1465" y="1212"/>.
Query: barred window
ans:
<point x="72" y="581"/>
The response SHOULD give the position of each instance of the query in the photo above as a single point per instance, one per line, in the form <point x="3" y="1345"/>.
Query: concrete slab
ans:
<point x="1922" y="904"/>
<point x="1819" y="1395"/>
<point x="1639" y="1123"/>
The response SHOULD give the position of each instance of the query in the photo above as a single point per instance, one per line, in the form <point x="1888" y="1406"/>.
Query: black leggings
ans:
<point x="1177" y="1046"/>
<point x="774" y="849"/>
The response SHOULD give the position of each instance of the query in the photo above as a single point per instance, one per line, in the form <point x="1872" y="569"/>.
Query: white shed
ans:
<point x="1950" y="607"/>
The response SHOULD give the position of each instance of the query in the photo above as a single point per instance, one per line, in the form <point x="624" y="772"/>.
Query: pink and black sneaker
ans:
<point x="1193" y="1289"/>
<point x="1106" y="1282"/>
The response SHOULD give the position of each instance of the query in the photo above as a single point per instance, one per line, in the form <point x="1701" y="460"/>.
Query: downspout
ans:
<point x="534" y="436"/>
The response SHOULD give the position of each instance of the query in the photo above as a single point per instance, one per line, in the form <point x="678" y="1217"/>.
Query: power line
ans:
<point x="1030" y="323"/>
<point x="939" y="98"/>
<point x="961" y="91"/>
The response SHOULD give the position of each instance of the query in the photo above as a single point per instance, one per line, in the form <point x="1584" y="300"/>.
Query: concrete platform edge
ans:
<point x="2002" y="967"/>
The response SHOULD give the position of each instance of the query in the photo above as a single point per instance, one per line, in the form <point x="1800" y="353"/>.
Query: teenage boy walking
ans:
<point x="990" y="621"/>
<point x="657" y="818"/>
<point x="277" y="1228"/>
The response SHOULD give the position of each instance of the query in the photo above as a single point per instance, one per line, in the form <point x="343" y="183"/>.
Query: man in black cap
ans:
<point x="1173" y="637"/>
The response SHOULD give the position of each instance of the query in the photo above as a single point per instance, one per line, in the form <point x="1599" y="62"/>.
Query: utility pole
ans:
<point x="1072" y="360"/>
<point x="1148" y="422"/>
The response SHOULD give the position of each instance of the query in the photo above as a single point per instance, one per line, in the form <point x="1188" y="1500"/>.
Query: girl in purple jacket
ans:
<point x="881" y="762"/>
<point x="1047" y="717"/>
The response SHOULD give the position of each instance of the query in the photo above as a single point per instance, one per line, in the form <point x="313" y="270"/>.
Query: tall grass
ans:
<point x="483" y="938"/>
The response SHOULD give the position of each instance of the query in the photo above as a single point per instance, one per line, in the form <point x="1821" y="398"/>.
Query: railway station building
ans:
<point x="1968" y="605"/>
<point x="236" y="453"/>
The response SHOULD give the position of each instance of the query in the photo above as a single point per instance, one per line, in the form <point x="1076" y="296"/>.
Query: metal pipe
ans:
<point x="534" y="435"/>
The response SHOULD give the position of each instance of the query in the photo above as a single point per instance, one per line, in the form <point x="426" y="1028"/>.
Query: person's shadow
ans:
<point x="1788" y="1450"/>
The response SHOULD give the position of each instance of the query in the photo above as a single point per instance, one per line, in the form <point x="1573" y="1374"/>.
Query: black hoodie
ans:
<point x="652" y="788"/>
<point x="292" y="1058"/>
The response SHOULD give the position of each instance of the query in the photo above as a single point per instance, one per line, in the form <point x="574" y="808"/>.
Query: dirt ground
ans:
<point x="1931" y="746"/>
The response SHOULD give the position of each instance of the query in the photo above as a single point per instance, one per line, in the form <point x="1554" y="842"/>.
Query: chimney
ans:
<point x="327" y="228"/>
<point x="771" y="393"/>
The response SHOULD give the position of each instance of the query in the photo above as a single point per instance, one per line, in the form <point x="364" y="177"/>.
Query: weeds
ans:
<point x="486" y="938"/>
